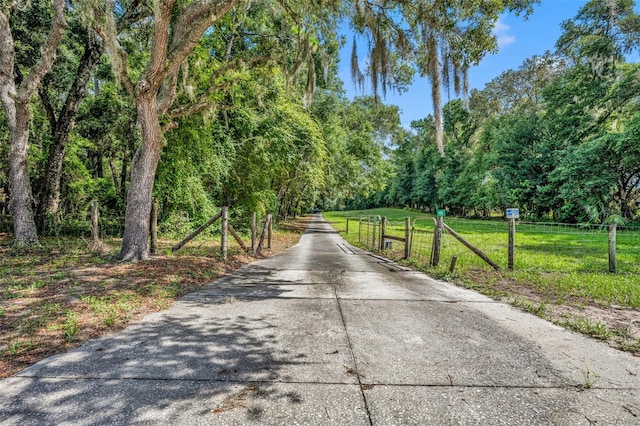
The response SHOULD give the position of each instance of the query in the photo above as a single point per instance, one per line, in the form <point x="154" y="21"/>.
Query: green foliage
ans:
<point x="555" y="138"/>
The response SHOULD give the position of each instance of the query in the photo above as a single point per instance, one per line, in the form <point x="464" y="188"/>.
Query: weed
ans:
<point x="626" y="331"/>
<point x="590" y="378"/>
<point x="171" y="290"/>
<point x="633" y="346"/>
<point x="228" y="299"/>
<point x="17" y="346"/>
<point x="37" y="285"/>
<point x="33" y="324"/>
<point x="59" y="275"/>
<point x="110" y="319"/>
<point x="530" y="307"/>
<point x="70" y="326"/>
<point x="597" y="329"/>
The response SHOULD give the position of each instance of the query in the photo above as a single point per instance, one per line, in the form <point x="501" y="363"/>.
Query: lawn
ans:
<point x="560" y="271"/>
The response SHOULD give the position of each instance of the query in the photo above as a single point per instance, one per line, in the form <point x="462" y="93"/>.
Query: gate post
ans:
<point x="383" y="232"/>
<point x="613" y="267"/>
<point x="269" y="230"/>
<point x="253" y="233"/>
<point x="437" y="242"/>
<point x="407" y="238"/>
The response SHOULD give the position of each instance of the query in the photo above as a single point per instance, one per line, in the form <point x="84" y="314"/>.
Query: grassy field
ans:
<point x="59" y="295"/>
<point x="560" y="271"/>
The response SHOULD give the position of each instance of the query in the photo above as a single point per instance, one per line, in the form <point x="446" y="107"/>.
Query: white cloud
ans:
<point x="501" y="31"/>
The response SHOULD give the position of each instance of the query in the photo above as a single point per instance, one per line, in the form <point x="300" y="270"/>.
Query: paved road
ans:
<point x="328" y="334"/>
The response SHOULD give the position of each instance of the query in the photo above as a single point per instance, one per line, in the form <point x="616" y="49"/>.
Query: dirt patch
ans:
<point x="618" y="326"/>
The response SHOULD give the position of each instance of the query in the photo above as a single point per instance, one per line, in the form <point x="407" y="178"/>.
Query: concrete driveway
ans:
<point x="329" y="334"/>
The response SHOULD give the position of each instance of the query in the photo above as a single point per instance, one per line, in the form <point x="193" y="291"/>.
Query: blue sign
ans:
<point x="513" y="213"/>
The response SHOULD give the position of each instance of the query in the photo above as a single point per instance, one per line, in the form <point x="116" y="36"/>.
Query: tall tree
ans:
<point x="175" y="28"/>
<point x="17" y="87"/>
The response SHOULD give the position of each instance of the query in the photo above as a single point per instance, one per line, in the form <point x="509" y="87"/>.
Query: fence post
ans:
<point x="95" y="215"/>
<point x="375" y="231"/>
<point x="262" y="235"/>
<point x="512" y="243"/>
<point x="367" y="242"/>
<point x="96" y="244"/>
<point x="407" y="238"/>
<point x="613" y="267"/>
<point x="437" y="242"/>
<point x="154" y="227"/>
<point x="269" y="230"/>
<point x="253" y="233"/>
<point x="360" y="230"/>
<point x="452" y="266"/>
<point x="224" y="238"/>
<point x="347" y="229"/>
<point x="383" y="232"/>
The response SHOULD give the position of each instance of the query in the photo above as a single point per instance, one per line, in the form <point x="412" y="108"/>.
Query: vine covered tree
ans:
<point x="174" y="31"/>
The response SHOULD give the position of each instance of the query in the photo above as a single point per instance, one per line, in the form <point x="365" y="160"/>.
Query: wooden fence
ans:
<point x="376" y="233"/>
<point x="226" y="229"/>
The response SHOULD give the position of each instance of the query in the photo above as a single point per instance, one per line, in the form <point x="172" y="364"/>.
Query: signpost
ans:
<point x="441" y="213"/>
<point x="513" y="213"/>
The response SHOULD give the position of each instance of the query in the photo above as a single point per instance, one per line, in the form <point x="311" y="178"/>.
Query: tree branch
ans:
<point x="130" y="16"/>
<point x="108" y="33"/>
<point x="153" y="74"/>
<point x="195" y="19"/>
<point x="38" y="71"/>
<point x="48" y="108"/>
<point x="204" y="102"/>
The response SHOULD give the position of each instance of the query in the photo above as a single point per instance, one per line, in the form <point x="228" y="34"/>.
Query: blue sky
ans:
<point x="519" y="39"/>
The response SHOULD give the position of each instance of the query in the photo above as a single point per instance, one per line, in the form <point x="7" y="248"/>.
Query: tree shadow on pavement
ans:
<point x="210" y="353"/>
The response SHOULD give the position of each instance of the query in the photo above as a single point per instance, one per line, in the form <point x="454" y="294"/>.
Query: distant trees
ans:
<point x="439" y="39"/>
<point x="555" y="138"/>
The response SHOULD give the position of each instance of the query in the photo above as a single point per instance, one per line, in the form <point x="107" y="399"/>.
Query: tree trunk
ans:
<point x="135" y="241"/>
<point x="15" y="100"/>
<point x="50" y="193"/>
<point x="18" y="116"/>
<point x="20" y="202"/>
<point x="123" y="174"/>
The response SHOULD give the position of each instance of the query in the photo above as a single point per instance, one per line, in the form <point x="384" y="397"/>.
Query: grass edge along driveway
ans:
<point x="559" y="275"/>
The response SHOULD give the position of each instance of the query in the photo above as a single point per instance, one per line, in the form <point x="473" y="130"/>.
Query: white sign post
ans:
<point x="513" y="213"/>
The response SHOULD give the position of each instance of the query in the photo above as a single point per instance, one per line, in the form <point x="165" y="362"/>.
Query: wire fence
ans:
<point x="553" y="247"/>
<point x="369" y="231"/>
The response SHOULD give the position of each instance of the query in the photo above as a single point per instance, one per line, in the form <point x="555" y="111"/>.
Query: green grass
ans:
<point x="562" y="263"/>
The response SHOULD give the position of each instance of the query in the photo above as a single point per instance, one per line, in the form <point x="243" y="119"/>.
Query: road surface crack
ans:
<point x="354" y="370"/>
